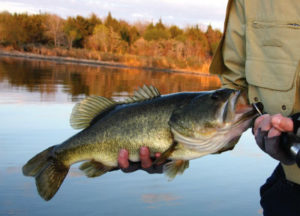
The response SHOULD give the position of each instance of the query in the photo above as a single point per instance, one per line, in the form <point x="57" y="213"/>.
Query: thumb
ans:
<point x="282" y="123"/>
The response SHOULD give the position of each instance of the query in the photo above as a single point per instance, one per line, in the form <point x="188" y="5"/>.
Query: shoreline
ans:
<point x="96" y="63"/>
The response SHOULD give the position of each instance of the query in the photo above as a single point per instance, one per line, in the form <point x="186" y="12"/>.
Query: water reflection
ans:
<point x="78" y="81"/>
<point x="225" y="184"/>
<point x="156" y="198"/>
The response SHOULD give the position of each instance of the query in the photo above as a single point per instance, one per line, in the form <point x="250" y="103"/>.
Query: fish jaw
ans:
<point x="232" y="117"/>
<point x="236" y="109"/>
<point x="220" y="139"/>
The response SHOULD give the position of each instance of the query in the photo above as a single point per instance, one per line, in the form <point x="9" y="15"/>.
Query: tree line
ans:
<point x="187" y="46"/>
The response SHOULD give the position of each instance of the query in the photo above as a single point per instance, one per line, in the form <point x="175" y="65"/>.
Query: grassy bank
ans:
<point x="89" y="57"/>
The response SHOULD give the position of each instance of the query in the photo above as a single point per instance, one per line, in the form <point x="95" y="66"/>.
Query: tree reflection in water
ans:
<point x="79" y="81"/>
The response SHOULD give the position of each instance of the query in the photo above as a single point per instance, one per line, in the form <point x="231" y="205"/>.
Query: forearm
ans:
<point x="234" y="48"/>
<point x="229" y="61"/>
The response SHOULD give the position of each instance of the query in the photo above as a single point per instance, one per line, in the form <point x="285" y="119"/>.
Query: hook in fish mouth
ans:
<point x="236" y="105"/>
<point x="237" y="109"/>
<point x="259" y="107"/>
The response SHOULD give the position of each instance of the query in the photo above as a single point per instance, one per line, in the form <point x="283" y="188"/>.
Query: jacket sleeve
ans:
<point x="229" y="60"/>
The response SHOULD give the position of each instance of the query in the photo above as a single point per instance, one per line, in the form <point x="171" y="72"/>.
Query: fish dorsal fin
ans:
<point x="86" y="110"/>
<point x="145" y="93"/>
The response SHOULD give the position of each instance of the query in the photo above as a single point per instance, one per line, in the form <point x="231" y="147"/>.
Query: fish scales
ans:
<point x="128" y="126"/>
<point x="181" y="126"/>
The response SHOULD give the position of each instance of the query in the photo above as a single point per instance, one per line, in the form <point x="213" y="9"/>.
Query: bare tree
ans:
<point x="54" y="25"/>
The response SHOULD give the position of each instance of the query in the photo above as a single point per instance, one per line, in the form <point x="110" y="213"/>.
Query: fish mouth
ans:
<point x="237" y="109"/>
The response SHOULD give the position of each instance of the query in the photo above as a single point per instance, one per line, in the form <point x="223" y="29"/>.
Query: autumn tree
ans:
<point x="197" y="42"/>
<point x="54" y="29"/>
<point x="71" y="31"/>
<point x="99" y="40"/>
<point x="34" y="28"/>
<point x="79" y="29"/>
<point x="93" y="21"/>
<point x="111" y="22"/>
<point x="156" y="32"/>
<point x="162" y="43"/>
<point x="128" y="33"/>
<point x="9" y="32"/>
<point x="175" y="32"/>
<point x="213" y="37"/>
<point x="19" y="29"/>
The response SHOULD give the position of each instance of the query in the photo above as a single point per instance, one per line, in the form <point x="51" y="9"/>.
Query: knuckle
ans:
<point x="146" y="164"/>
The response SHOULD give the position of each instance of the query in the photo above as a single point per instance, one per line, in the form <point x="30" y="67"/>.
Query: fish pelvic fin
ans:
<point x="94" y="168"/>
<point x="49" y="173"/>
<point x="166" y="154"/>
<point x="89" y="108"/>
<point x="175" y="167"/>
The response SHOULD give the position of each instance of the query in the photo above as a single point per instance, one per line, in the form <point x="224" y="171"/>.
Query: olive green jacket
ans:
<point x="260" y="52"/>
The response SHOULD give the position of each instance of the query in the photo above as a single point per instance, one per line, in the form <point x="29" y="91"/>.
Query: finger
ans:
<point x="274" y="149"/>
<point x="266" y="123"/>
<point x="154" y="170"/>
<point x="157" y="154"/>
<point x="282" y="123"/>
<point x="274" y="132"/>
<point x="133" y="166"/>
<point x="258" y="122"/>
<point x="260" y="138"/>
<point x="123" y="159"/>
<point x="146" y="161"/>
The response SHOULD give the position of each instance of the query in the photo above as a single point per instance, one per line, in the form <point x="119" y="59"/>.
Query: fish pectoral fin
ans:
<point x="94" y="168"/>
<point x="165" y="155"/>
<point x="175" y="167"/>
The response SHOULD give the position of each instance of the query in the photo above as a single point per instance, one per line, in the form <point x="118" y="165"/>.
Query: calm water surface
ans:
<point x="36" y="99"/>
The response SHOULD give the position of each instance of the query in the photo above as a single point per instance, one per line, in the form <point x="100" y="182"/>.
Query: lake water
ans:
<point x="36" y="99"/>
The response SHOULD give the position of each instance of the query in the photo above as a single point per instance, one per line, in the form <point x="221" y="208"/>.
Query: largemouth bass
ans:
<point x="182" y="126"/>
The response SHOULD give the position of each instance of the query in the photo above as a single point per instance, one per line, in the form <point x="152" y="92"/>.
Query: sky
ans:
<point x="180" y="12"/>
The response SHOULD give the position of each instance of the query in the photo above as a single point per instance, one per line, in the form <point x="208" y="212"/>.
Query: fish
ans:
<point x="182" y="126"/>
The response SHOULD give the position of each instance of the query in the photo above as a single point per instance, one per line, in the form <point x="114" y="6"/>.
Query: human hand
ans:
<point x="267" y="130"/>
<point x="146" y="162"/>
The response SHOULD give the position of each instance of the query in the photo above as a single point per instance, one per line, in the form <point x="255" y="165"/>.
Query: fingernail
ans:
<point x="123" y="152"/>
<point x="144" y="150"/>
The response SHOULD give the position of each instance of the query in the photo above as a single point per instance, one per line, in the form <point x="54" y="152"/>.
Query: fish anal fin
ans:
<point x="175" y="167"/>
<point x="94" y="168"/>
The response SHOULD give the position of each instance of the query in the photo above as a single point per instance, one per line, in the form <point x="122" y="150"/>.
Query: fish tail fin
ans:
<point x="49" y="173"/>
<point x="175" y="167"/>
<point x="37" y="163"/>
<point x="49" y="180"/>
